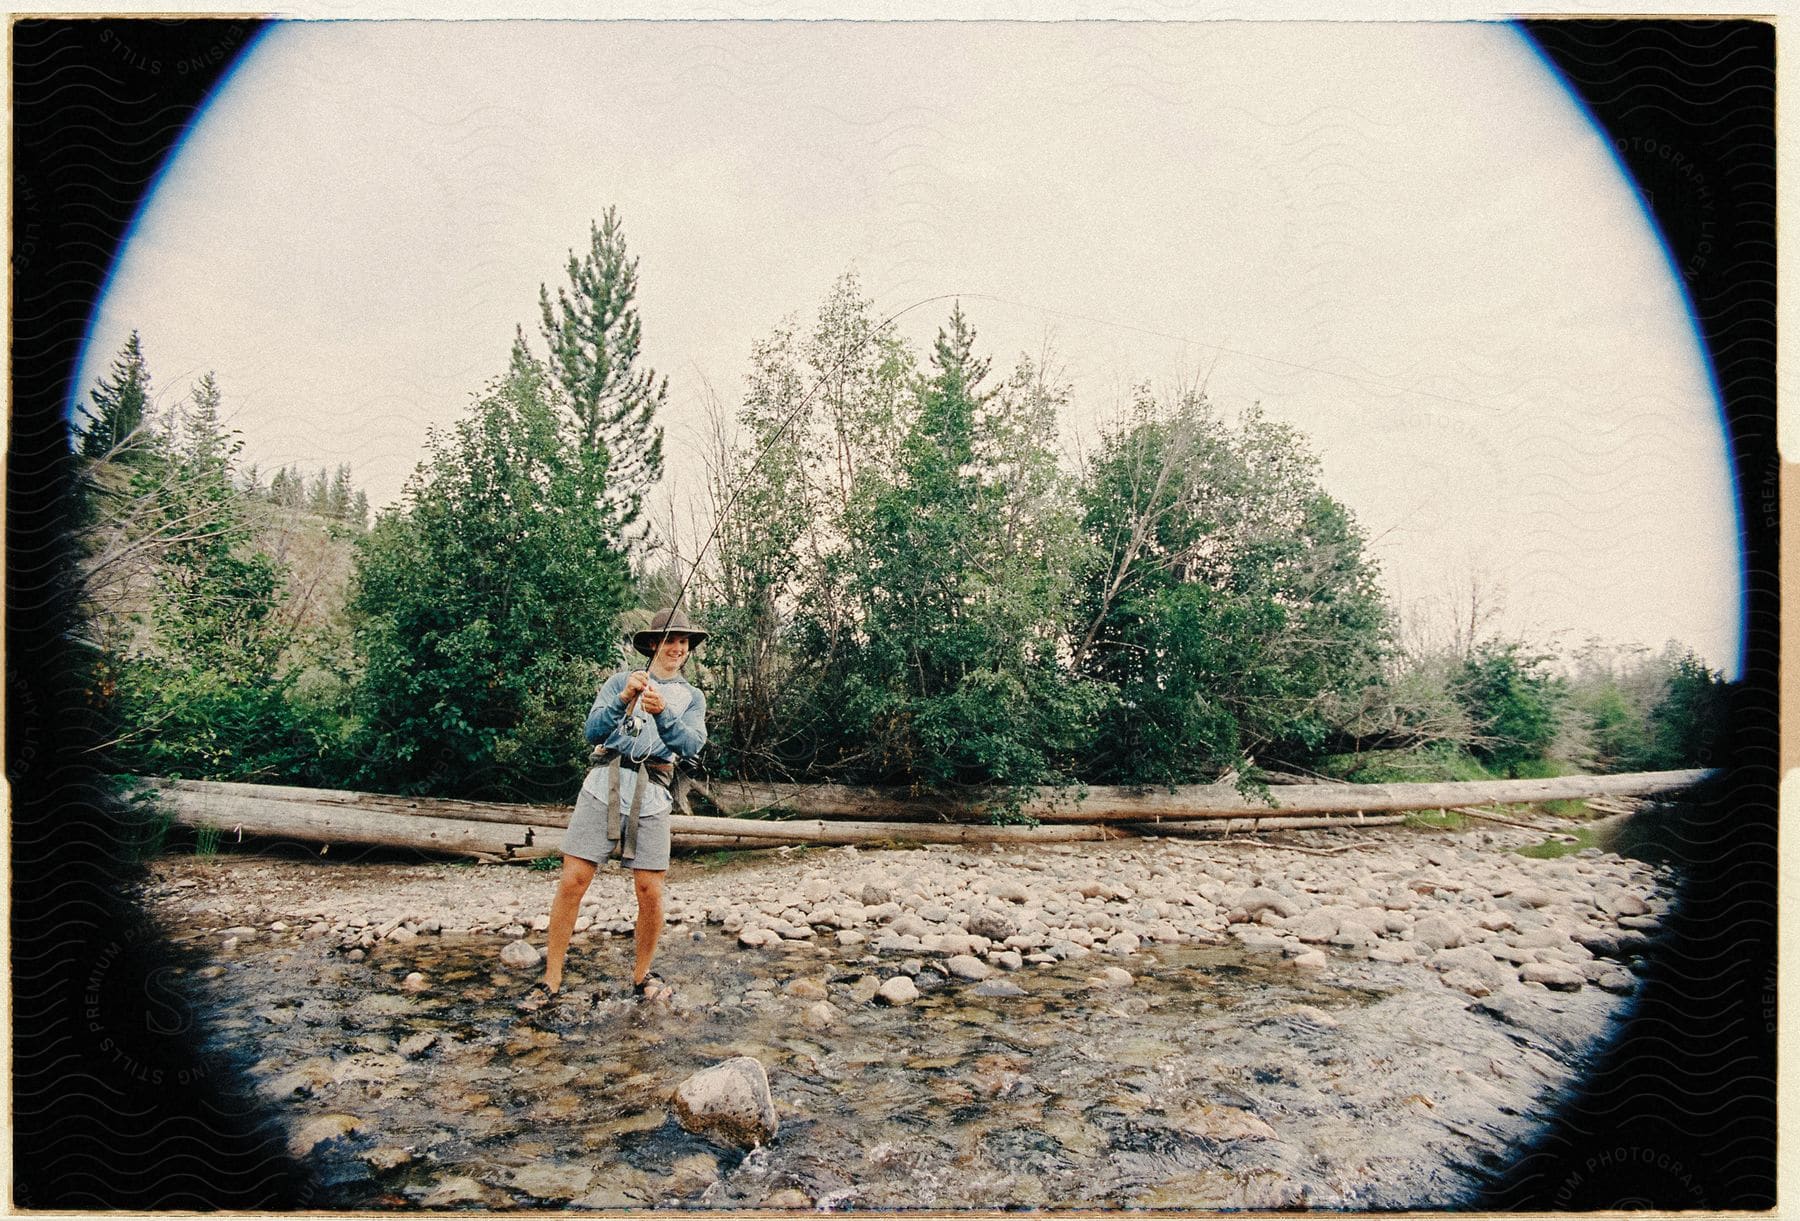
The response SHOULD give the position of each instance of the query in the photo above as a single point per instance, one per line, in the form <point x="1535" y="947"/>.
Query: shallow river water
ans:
<point x="1218" y="1078"/>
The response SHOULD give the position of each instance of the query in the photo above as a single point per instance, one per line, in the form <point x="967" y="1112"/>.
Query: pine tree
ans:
<point x="318" y="495"/>
<point x="119" y="403"/>
<point x="337" y="500"/>
<point x="203" y="437"/>
<point x="592" y="332"/>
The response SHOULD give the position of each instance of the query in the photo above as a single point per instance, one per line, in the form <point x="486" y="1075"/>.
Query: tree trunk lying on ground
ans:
<point x="1136" y="804"/>
<point x="1229" y="826"/>
<point x="518" y="832"/>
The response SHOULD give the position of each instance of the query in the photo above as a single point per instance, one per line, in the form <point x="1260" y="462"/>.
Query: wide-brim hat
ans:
<point x="666" y="622"/>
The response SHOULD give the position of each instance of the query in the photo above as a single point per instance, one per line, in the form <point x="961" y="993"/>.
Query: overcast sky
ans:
<point x="1404" y="239"/>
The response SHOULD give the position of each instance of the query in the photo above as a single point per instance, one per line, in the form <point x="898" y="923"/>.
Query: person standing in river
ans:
<point x="642" y="724"/>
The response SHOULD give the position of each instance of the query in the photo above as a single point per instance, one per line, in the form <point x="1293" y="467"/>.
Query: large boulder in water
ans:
<point x="730" y="1102"/>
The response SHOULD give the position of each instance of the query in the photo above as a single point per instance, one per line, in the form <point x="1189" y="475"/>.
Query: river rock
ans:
<point x="1552" y="975"/>
<point x="820" y="1016"/>
<point x="415" y="982"/>
<point x="1472" y="960"/>
<point x="1495" y="922"/>
<point x="1311" y="1016"/>
<point x="1009" y="891"/>
<point x="383" y="1158"/>
<point x="551" y="1181"/>
<point x="450" y="1192"/>
<point x="1315" y="927"/>
<point x="1312" y="960"/>
<point x="1261" y="898"/>
<point x="417" y="1044"/>
<point x="1383" y="951"/>
<point x="992" y="925"/>
<point x="998" y="987"/>
<point x="875" y="896"/>
<point x="788" y="1198"/>
<point x="402" y="936"/>
<point x="1623" y="903"/>
<point x="1010" y="960"/>
<point x="805" y="989"/>
<point x="967" y="966"/>
<point x="1533" y="896"/>
<point x="1618" y="982"/>
<point x="730" y="1101"/>
<point x="520" y="955"/>
<point x="900" y="990"/>
<point x="864" y="989"/>
<point x="1113" y="977"/>
<point x="908" y="924"/>
<point x="851" y="936"/>
<point x="1438" y="932"/>
<point x="1122" y="943"/>
<point x="315" y="1132"/>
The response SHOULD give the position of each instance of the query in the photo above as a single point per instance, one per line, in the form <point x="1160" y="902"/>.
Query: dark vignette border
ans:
<point x="1682" y="1114"/>
<point x="99" y="105"/>
<point x="113" y="1106"/>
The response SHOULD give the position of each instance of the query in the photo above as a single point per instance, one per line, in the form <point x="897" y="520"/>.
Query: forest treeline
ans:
<point x="909" y="584"/>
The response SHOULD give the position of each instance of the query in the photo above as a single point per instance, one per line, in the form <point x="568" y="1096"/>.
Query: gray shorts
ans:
<point x="586" y="837"/>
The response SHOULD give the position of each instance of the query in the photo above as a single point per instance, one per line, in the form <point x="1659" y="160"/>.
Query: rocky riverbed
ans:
<point x="1142" y="1023"/>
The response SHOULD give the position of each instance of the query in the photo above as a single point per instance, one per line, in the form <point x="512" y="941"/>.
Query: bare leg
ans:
<point x="576" y="874"/>
<point x="649" y="886"/>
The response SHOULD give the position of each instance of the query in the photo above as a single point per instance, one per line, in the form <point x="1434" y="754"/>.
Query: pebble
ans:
<point x="1554" y="976"/>
<point x="448" y="1193"/>
<point x="967" y="966"/>
<point x="900" y="990"/>
<point x="552" y="1181"/>
<point x="520" y="955"/>
<point x="383" y="1158"/>
<point x="998" y="987"/>
<point x="315" y="1132"/>
<point x="1122" y="943"/>
<point x="1009" y="891"/>
<point x="1261" y="898"/>
<point x="1113" y="977"/>
<point x="1438" y="932"/>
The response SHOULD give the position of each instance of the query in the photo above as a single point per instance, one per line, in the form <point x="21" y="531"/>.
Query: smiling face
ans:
<point x="670" y="656"/>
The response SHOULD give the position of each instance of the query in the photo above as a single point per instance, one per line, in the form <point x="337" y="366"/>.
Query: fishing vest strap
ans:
<point x="624" y="846"/>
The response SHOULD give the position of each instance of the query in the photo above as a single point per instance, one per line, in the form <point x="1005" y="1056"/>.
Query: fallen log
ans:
<point x="414" y="823"/>
<point x="520" y="832"/>
<point x="308" y="822"/>
<point x="1135" y="804"/>
<point x="374" y="803"/>
<point x="1226" y="826"/>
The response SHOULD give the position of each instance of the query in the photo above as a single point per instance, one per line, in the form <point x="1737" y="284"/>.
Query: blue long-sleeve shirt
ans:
<point x="676" y="731"/>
